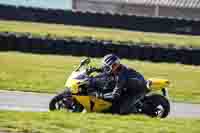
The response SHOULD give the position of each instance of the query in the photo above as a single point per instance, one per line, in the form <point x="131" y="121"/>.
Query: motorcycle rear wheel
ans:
<point x="156" y="106"/>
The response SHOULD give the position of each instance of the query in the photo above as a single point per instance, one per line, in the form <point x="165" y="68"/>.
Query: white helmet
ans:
<point x="108" y="61"/>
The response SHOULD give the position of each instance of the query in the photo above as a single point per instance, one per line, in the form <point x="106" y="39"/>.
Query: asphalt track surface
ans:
<point x="37" y="102"/>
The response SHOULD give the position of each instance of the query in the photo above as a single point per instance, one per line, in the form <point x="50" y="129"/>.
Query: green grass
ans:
<point x="98" y="33"/>
<point x="47" y="73"/>
<point x="62" y="122"/>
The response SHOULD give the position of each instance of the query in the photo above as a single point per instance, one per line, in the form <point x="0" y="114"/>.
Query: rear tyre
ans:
<point x="156" y="106"/>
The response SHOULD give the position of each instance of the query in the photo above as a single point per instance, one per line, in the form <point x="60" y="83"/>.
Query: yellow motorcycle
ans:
<point x="78" y="97"/>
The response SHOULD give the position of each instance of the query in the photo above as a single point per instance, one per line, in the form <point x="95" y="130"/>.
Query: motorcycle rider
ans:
<point x="126" y="83"/>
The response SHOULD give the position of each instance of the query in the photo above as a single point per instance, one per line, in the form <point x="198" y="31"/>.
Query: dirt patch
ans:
<point x="2" y="131"/>
<point x="5" y="131"/>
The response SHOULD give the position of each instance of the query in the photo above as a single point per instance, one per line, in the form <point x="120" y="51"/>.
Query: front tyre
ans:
<point x="57" y="102"/>
<point x="64" y="101"/>
<point x="156" y="106"/>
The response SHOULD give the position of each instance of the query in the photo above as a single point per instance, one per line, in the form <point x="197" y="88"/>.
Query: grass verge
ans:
<point x="59" y="30"/>
<point x="62" y="122"/>
<point x="47" y="73"/>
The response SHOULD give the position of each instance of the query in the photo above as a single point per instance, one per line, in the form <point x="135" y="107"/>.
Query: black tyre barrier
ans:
<point x="134" y="51"/>
<point x="3" y="43"/>
<point x="96" y="48"/>
<point x="10" y="41"/>
<point x="195" y="56"/>
<point x="130" y="22"/>
<point x="23" y="44"/>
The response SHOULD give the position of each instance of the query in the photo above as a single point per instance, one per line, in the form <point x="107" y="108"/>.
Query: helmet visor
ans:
<point x="110" y="68"/>
<point x="107" y="69"/>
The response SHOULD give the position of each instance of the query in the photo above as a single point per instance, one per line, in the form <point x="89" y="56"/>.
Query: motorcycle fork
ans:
<point x="68" y="100"/>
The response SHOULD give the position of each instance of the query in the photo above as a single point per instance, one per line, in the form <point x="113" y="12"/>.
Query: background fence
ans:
<point x="54" y="4"/>
<point x="169" y="8"/>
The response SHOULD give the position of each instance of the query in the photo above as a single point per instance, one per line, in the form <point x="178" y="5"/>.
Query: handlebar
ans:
<point x="83" y="62"/>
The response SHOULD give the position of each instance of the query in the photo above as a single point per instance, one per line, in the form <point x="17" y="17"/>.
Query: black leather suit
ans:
<point x="124" y="85"/>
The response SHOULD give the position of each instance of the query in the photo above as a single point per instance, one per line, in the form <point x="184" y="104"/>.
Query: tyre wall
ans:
<point x="94" y="48"/>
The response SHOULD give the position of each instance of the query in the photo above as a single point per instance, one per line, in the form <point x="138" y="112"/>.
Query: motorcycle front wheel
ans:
<point x="156" y="106"/>
<point x="63" y="102"/>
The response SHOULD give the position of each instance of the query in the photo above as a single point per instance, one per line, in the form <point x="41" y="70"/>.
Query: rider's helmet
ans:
<point x="110" y="63"/>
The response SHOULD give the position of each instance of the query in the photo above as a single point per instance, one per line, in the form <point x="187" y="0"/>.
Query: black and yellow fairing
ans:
<point x="158" y="84"/>
<point x="93" y="104"/>
<point x="90" y="103"/>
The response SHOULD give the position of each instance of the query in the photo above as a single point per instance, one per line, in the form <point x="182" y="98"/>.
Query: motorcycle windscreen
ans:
<point x="75" y="80"/>
<point x="158" y="84"/>
<point x="93" y="104"/>
<point x="73" y="85"/>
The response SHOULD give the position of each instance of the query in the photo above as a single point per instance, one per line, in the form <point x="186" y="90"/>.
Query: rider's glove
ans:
<point x="108" y="96"/>
<point x="89" y="70"/>
<point x="93" y="69"/>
